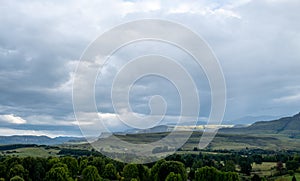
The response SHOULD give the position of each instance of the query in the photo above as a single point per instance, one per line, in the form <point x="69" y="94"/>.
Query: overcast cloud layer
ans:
<point x="256" y="42"/>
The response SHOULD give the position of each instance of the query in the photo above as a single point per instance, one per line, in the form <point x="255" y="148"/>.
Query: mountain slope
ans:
<point x="286" y="125"/>
<point x="247" y="120"/>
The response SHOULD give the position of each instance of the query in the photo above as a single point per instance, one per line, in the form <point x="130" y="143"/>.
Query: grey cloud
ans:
<point x="146" y="87"/>
<point x="257" y="43"/>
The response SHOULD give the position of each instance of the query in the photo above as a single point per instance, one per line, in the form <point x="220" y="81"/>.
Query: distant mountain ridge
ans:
<point x="247" y="120"/>
<point x="286" y="125"/>
<point x="155" y="129"/>
<point x="39" y="140"/>
<point x="289" y="126"/>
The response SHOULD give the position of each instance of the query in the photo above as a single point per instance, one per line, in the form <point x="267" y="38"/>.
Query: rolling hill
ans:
<point x="287" y="126"/>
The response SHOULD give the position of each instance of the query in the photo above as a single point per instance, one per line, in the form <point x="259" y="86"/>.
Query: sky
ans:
<point x="256" y="42"/>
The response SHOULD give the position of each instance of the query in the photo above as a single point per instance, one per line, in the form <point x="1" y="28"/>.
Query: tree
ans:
<point x="90" y="173"/>
<point x="58" y="174"/>
<point x="144" y="173"/>
<point x="292" y="165"/>
<point x="255" y="178"/>
<point x="52" y="161"/>
<point x="154" y="170"/>
<point x="229" y="166"/>
<point x="245" y="166"/>
<point x="173" y="177"/>
<point x="82" y="164"/>
<point x="39" y="171"/>
<point x="171" y="166"/>
<point x="11" y="161"/>
<point x="197" y="164"/>
<point x="61" y="165"/>
<point x="130" y="171"/>
<point x="99" y="163"/>
<point x="17" y="178"/>
<point x="206" y="174"/>
<point x="230" y="176"/>
<point x="257" y="159"/>
<point x="212" y="174"/>
<point x="19" y="170"/>
<point x="36" y="167"/>
<point x="72" y="165"/>
<point x="191" y="174"/>
<point x="29" y="163"/>
<point x="110" y="171"/>
<point x="2" y="170"/>
<point x="279" y="166"/>
<point x="188" y="160"/>
<point x="297" y="158"/>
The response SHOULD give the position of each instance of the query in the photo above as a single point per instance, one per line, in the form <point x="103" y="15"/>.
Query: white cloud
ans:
<point x="49" y="120"/>
<point x="204" y="10"/>
<point x="280" y="1"/>
<point x="7" y="52"/>
<point x="189" y="8"/>
<point x="226" y="13"/>
<point x="52" y="134"/>
<point x="10" y="118"/>
<point x="139" y="6"/>
<point x="288" y="99"/>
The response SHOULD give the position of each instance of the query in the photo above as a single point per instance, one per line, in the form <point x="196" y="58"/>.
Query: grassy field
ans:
<point x="32" y="151"/>
<point x="268" y="169"/>
<point x="264" y="169"/>
<point x="225" y="141"/>
<point x="288" y="177"/>
<point x="265" y="142"/>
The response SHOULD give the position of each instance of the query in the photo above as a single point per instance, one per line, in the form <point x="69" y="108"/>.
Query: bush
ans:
<point x="90" y="173"/>
<point x="130" y="172"/>
<point x="17" y="178"/>
<point x="292" y="165"/>
<point x="211" y="173"/>
<point x="110" y="172"/>
<point x="291" y="172"/>
<point x="171" y="166"/>
<point x="173" y="177"/>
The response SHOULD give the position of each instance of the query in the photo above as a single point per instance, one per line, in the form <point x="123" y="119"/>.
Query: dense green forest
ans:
<point x="72" y="164"/>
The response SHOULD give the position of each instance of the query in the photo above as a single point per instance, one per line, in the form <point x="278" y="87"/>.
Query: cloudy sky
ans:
<point x="256" y="42"/>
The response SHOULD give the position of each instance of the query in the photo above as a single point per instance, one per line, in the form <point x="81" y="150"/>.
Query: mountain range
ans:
<point x="39" y="140"/>
<point x="287" y="126"/>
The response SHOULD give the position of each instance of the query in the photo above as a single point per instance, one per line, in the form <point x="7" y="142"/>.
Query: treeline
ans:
<point x="98" y="168"/>
<point x="180" y="167"/>
<point x="16" y="146"/>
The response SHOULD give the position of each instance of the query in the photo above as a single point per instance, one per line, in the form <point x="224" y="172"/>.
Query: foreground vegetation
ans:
<point x="211" y="165"/>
